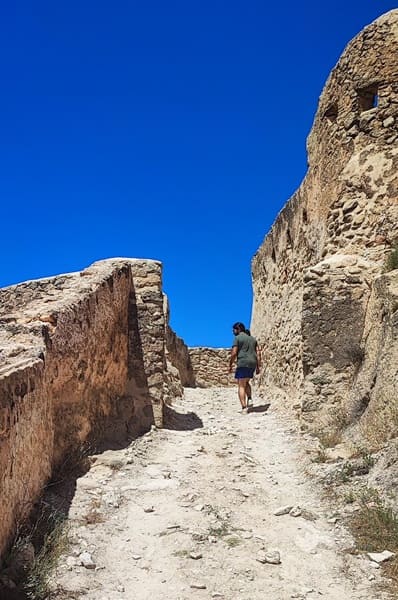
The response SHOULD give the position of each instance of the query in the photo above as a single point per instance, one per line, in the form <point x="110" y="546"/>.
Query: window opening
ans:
<point x="368" y="98"/>
<point x="331" y="112"/>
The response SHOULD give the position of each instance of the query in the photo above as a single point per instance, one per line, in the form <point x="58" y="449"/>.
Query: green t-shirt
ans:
<point x="247" y="356"/>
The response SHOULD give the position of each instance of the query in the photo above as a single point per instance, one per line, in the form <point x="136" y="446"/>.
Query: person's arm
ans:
<point x="234" y="354"/>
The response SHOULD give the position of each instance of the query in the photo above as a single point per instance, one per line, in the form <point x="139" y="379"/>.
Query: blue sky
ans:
<point x="169" y="130"/>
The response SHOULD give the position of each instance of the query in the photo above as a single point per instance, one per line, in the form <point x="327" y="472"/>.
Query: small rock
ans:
<point x="388" y="122"/>
<point x="380" y="557"/>
<point x="295" y="512"/>
<point x="87" y="560"/>
<point x="136" y="557"/>
<point x="149" y="509"/>
<point x="195" y="555"/>
<point x="283" y="510"/>
<point x="271" y="556"/>
<point x="199" y="507"/>
<point x="198" y="586"/>
<point x="217" y="595"/>
<point x="120" y="588"/>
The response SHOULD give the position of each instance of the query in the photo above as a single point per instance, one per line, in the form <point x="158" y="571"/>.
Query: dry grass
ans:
<point x="55" y="543"/>
<point x="321" y="456"/>
<point x="331" y="432"/>
<point x="94" y="514"/>
<point x="375" y="528"/>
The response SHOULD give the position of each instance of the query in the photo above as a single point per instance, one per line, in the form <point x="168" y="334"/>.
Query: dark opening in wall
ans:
<point x="331" y="112"/>
<point x="305" y="216"/>
<point x="368" y="97"/>
<point x="273" y="255"/>
<point x="289" y="240"/>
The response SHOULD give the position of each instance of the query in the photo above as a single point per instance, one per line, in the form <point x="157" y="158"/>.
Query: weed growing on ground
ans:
<point x="222" y="527"/>
<point x="94" y="515"/>
<point x="321" y="456"/>
<point x="330" y="438"/>
<point x="54" y="544"/>
<point x="331" y="433"/>
<point x="349" y="497"/>
<point x="232" y="541"/>
<point x="375" y="527"/>
<point x="365" y="454"/>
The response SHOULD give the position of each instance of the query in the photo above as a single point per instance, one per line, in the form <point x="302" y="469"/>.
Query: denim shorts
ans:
<point x="244" y="373"/>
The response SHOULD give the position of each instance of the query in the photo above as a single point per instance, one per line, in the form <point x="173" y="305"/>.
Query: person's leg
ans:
<point x="248" y="391"/>
<point x="242" y="390"/>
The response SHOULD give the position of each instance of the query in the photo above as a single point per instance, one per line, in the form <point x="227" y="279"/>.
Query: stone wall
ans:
<point x="210" y="366"/>
<point x="82" y="363"/>
<point x="314" y="277"/>
<point x="179" y="372"/>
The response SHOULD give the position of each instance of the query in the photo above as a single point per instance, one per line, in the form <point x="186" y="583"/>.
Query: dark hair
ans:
<point x="247" y="331"/>
<point x="239" y="326"/>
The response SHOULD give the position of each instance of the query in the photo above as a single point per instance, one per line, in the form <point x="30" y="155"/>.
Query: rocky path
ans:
<point x="189" y="512"/>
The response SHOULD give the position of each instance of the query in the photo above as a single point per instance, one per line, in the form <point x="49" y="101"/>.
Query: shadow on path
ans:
<point x="180" y="421"/>
<point x="259" y="409"/>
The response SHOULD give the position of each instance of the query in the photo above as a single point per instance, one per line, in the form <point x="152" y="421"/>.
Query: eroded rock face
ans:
<point x="316" y="277"/>
<point x="82" y="363"/>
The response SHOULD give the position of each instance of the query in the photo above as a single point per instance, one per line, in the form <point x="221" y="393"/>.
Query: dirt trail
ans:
<point x="187" y="512"/>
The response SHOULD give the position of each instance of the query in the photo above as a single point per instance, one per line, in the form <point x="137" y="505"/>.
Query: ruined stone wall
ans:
<point x="313" y="277"/>
<point x="179" y="372"/>
<point x="373" y="399"/>
<point x="82" y="362"/>
<point x="210" y="366"/>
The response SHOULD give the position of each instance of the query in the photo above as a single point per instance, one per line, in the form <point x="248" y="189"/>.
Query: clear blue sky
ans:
<point x="170" y="130"/>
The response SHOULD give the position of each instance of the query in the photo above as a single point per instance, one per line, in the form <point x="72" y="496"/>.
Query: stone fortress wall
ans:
<point x="82" y="362"/>
<point x="210" y="366"/>
<point x="324" y="312"/>
<point x="87" y="361"/>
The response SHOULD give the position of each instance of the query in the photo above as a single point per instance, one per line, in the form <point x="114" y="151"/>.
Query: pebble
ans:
<point x="87" y="560"/>
<point x="149" y="509"/>
<point x="295" y="512"/>
<point x="283" y="510"/>
<point x="380" y="557"/>
<point x="198" y="586"/>
<point x="195" y="555"/>
<point x="271" y="557"/>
